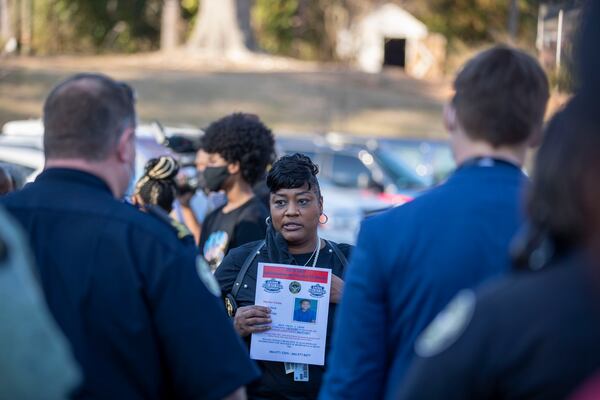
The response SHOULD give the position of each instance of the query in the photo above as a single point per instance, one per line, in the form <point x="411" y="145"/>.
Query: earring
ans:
<point x="268" y="220"/>
<point x="321" y="221"/>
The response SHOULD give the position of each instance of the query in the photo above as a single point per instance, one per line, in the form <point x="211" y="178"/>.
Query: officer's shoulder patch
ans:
<point x="207" y="277"/>
<point x="181" y="229"/>
<point x="448" y="326"/>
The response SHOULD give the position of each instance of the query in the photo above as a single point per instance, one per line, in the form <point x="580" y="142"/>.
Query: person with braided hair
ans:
<point x="157" y="185"/>
<point x="156" y="191"/>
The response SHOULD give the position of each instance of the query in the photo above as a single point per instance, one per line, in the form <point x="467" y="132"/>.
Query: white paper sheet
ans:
<point x="299" y="301"/>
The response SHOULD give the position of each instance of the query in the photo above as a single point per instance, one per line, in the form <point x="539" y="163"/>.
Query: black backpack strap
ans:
<point x="338" y="253"/>
<point x="244" y="270"/>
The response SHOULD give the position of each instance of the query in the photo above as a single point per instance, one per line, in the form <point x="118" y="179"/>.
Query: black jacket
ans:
<point x="274" y="382"/>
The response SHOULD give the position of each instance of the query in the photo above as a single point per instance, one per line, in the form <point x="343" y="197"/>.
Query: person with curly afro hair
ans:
<point x="239" y="148"/>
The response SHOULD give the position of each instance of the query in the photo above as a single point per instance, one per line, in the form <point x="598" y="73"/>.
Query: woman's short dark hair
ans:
<point x="567" y="168"/>
<point x="157" y="186"/>
<point x="292" y="172"/>
<point x="244" y="139"/>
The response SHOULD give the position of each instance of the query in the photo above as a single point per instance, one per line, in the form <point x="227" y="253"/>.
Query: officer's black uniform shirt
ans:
<point x="224" y="231"/>
<point x="127" y="294"/>
<point x="531" y="336"/>
<point x="275" y="383"/>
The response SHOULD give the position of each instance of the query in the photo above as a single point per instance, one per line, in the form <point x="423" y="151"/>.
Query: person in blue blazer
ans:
<point x="412" y="260"/>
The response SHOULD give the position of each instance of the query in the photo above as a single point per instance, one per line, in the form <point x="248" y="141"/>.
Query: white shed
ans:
<point x="387" y="36"/>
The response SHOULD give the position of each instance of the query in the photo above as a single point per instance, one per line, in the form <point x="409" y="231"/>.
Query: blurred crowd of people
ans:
<point x="486" y="286"/>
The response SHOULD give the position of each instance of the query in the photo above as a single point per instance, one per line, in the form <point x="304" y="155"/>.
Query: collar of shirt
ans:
<point x="487" y="162"/>
<point x="75" y="176"/>
<point x="486" y="166"/>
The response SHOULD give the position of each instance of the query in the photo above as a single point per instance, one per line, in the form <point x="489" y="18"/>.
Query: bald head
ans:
<point x="6" y="182"/>
<point x="84" y="117"/>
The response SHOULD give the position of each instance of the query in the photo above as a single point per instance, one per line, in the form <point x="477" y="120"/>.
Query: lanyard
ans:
<point x="487" y="162"/>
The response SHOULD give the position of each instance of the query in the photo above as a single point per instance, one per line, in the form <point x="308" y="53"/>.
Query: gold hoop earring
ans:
<point x="321" y="219"/>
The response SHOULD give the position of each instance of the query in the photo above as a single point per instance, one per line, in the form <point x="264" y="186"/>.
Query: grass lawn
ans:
<point x="294" y="98"/>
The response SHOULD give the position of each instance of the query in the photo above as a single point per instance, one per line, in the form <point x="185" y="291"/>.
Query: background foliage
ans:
<point x="299" y="28"/>
<point x="476" y="21"/>
<point x="95" y="25"/>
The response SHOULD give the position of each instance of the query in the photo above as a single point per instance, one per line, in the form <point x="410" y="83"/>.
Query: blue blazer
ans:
<point x="408" y="264"/>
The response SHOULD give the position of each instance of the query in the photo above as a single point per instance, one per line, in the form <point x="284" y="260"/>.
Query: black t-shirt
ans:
<point x="530" y="336"/>
<point x="275" y="383"/>
<point x="223" y="231"/>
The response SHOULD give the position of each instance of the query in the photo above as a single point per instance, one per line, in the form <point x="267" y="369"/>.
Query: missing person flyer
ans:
<point x="299" y="301"/>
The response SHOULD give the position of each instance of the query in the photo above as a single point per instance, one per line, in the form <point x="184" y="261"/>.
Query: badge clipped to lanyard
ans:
<point x="301" y="373"/>
<point x="301" y="370"/>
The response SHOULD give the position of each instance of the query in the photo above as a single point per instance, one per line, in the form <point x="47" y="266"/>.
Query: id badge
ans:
<point x="301" y="373"/>
<point x="289" y="367"/>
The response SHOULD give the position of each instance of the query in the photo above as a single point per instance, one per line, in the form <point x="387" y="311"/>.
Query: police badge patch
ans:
<point x="317" y="290"/>
<point x="448" y="326"/>
<point x="295" y="287"/>
<point x="207" y="277"/>
<point x="272" y="286"/>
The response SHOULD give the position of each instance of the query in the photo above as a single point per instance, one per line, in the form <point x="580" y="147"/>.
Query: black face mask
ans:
<point x="201" y="183"/>
<point x="215" y="177"/>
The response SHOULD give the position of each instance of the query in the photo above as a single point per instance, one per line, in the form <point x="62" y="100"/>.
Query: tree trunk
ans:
<point x="6" y="31"/>
<point x="217" y="29"/>
<point x="169" y="27"/>
<point x="513" y="20"/>
<point x="244" y="11"/>
<point x="26" y="25"/>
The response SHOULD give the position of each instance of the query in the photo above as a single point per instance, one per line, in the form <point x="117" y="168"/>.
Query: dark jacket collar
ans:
<point x="277" y="248"/>
<point x="74" y="176"/>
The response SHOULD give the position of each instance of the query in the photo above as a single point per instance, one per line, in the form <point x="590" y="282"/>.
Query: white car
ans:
<point x="22" y="147"/>
<point x="22" y="156"/>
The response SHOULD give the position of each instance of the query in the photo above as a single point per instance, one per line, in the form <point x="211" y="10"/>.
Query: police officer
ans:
<point x="411" y="261"/>
<point x="533" y="335"/>
<point x="143" y="321"/>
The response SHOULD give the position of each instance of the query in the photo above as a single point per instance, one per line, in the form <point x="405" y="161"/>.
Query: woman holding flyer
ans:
<point x="292" y="240"/>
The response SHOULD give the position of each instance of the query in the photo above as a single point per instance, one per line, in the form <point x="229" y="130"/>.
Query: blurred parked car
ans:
<point x="430" y="159"/>
<point x="353" y="183"/>
<point x="21" y="147"/>
<point x="363" y="176"/>
<point x="22" y="157"/>
<point x="355" y="165"/>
